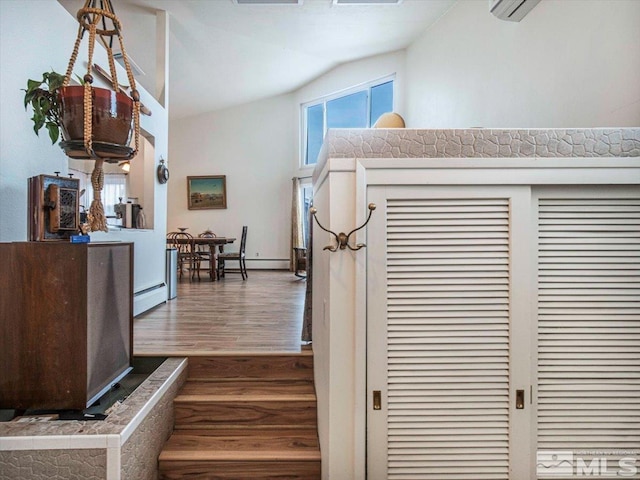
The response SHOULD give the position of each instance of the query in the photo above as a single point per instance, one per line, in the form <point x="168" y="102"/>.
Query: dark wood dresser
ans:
<point x="66" y="322"/>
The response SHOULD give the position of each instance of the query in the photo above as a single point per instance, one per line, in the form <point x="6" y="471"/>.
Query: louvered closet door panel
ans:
<point x="448" y="339"/>
<point x="589" y="325"/>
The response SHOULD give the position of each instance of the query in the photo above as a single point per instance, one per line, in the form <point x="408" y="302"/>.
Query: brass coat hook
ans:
<point x="342" y="238"/>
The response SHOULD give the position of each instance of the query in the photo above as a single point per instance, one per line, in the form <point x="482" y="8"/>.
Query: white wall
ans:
<point x="257" y="147"/>
<point x="36" y="36"/>
<point x="253" y="146"/>
<point x="30" y="44"/>
<point x="566" y="64"/>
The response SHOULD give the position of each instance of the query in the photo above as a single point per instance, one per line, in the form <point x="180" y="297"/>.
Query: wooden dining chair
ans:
<point x="205" y="254"/>
<point x="187" y="255"/>
<point x="239" y="255"/>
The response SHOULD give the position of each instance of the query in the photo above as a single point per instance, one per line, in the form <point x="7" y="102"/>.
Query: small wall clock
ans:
<point x="162" y="172"/>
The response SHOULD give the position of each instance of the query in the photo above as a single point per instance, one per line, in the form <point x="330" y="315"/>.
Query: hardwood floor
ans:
<point x="260" y="315"/>
<point x="248" y="408"/>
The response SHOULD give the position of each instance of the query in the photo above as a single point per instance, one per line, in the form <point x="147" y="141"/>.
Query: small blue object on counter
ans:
<point x="80" y="238"/>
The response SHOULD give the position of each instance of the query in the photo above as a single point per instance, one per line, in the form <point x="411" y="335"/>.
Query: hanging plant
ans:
<point x="45" y="103"/>
<point x="44" y="98"/>
<point x="95" y="123"/>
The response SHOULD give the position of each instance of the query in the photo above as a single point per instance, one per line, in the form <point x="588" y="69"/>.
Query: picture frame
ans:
<point x="206" y="192"/>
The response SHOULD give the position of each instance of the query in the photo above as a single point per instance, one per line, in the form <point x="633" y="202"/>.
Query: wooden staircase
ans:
<point x="245" y="417"/>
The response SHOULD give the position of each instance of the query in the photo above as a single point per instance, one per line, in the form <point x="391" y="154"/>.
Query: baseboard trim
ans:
<point x="149" y="298"/>
<point x="264" y="264"/>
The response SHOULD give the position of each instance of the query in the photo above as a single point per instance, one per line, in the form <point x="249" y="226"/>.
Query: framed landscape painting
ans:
<point x="207" y="192"/>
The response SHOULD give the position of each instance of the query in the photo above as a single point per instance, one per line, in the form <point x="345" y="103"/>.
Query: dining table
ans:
<point x="212" y="242"/>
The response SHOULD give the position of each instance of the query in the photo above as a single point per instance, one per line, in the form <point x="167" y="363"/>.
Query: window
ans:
<point x="360" y="107"/>
<point x="315" y="132"/>
<point x="381" y="101"/>
<point x="349" y="111"/>
<point x="114" y="190"/>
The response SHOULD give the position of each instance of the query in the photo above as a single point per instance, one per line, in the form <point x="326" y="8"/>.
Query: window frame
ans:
<point x="323" y="100"/>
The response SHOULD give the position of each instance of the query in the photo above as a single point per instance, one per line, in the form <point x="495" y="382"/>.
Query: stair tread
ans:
<point x="248" y="387"/>
<point x="272" y="447"/>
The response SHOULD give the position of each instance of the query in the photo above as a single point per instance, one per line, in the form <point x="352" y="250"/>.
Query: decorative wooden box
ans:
<point x="66" y="322"/>
<point x="54" y="207"/>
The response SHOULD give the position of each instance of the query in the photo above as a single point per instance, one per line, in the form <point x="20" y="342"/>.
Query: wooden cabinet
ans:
<point x="66" y="322"/>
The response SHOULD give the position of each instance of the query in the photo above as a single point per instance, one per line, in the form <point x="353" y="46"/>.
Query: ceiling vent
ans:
<point x="367" y="2"/>
<point x="268" y="2"/>
<point x="512" y="10"/>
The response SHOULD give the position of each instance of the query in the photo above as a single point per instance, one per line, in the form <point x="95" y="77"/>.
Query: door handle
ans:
<point x="520" y="399"/>
<point x="377" y="400"/>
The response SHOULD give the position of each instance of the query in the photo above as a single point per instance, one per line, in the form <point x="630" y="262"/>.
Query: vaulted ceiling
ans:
<point x="223" y="54"/>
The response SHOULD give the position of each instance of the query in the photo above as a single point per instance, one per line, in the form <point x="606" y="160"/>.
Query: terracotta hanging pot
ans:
<point x="96" y="123"/>
<point x="112" y="123"/>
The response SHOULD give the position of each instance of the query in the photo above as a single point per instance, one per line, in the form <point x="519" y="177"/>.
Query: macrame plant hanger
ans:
<point x="93" y="14"/>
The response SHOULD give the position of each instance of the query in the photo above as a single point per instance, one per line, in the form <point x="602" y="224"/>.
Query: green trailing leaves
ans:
<point x="38" y="122"/>
<point x="43" y="98"/>
<point x="55" y="80"/>
<point x="32" y="85"/>
<point x="54" y="131"/>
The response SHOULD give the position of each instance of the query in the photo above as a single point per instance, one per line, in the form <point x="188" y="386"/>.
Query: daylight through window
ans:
<point x="358" y="108"/>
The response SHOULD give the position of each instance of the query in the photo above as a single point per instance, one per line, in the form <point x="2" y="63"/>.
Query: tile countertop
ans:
<point x="122" y="420"/>
<point x="480" y="142"/>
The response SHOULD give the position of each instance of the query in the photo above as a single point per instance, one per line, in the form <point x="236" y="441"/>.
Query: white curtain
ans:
<point x="115" y="187"/>
<point x="297" y="229"/>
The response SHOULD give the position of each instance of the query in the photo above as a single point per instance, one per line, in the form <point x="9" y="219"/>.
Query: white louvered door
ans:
<point x="440" y="340"/>
<point x="476" y="293"/>
<point x="589" y="327"/>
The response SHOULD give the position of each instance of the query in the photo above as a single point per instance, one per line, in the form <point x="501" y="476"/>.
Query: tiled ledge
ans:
<point x="483" y="143"/>
<point x="127" y="441"/>
<point x="119" y="422"/>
